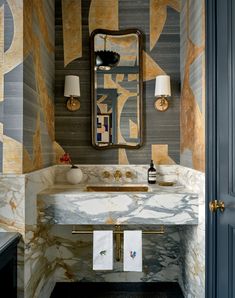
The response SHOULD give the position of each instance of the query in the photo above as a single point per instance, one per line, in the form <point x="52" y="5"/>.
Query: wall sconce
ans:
<point x="162" y="91"/>
<point x="71" y="90"/>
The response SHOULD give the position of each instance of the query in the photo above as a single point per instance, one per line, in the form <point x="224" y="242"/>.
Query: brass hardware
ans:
<point x="73" y="104"/>
<point x="215" y="205"/>
<point x="129" y="174"/>
<point x="117" y="175"/>
<point x="150" y="232"/>
<point x="164" y="183"/>
<point x="161" y="104"/>
<point x="118" y="237"/>
<point x="106" y="174"/>
<point x="118" y="247"/>
<point x="124" y="188"/>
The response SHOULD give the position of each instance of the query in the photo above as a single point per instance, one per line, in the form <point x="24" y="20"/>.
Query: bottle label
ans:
<point x="152" y="176"/>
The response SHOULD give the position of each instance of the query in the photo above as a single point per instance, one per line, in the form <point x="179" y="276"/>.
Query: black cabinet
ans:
<point x="8" y="263"/>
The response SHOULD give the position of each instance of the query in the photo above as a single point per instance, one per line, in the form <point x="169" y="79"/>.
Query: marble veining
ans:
<point x="12" y="204"/>
<point x="71" y="205"/>
<point x="93" y="174"/>
<point x="193" y="239"/>
<point x="71" y="256"/>
<point x="49" y="252"/>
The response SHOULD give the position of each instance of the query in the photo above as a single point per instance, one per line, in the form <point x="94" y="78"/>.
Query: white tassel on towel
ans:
<point x="133" y="251"/>
<point x="102" y="250"/>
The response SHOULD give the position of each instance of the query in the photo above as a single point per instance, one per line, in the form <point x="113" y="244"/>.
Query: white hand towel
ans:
<point x="133" y="251"/>
<point x="102" y="250"/>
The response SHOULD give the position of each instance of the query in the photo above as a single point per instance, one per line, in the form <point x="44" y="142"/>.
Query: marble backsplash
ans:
<point x="94" y="173"/>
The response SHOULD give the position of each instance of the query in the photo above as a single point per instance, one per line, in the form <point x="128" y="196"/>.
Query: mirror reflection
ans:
<point x="117" y="89"/>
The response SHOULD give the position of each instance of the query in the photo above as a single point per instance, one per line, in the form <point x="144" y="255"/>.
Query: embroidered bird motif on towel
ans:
<point x="103" y="252"/>
<point x="132" y="254"/>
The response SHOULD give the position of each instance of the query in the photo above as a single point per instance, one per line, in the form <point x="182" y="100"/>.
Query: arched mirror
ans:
<point x="116" y="88"/>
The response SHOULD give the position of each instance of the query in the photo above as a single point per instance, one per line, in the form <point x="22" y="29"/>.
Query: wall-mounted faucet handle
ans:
<point x="117" y="175"/>
<point x="129" y="174"/>
<point x="106" y="174"/>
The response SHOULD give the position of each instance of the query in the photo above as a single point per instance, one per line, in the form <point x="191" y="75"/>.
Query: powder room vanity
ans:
<point x="128" y="201"/>
<point x="62" y="217"/>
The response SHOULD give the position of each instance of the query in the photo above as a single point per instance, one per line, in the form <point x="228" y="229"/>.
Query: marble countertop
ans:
<point x="161" y="205"/>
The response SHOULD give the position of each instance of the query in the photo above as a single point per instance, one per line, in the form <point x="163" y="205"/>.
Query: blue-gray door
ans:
<point x="221" y="148"/>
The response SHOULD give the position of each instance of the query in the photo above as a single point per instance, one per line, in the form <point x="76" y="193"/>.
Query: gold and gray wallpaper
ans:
<point x="38" y="121"/>
<point x="192" y="137"/>
<point x="160" y="23"/>
<point x="30" y="59"/>
<point x="11" y="88"/>
<point x="26" y="85"/>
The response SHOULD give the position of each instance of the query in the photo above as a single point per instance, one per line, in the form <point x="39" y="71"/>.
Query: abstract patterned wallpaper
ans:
<point x="26" y="85"/>
<point x="27" y="80"/>
<point x="38" y="122"/>
<point x="192" y="30"/>
<point x="160" y="22"/>
<point x="11" y="85"/>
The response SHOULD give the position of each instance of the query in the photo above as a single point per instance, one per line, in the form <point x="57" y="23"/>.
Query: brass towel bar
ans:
<point x="161" y="231"/>
<point x="118" y="234"/>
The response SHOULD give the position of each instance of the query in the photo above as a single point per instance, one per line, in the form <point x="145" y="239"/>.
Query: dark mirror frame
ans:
<point x="93" y="93"/>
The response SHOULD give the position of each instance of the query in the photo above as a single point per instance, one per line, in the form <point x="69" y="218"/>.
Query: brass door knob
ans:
<point x="216" y="205"/>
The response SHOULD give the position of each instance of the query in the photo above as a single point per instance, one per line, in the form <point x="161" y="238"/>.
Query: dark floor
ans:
<point x="117" y="290"/>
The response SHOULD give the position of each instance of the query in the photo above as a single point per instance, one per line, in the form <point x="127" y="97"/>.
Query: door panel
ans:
<point x="232" y="100"/>
<point x="231" y="256"/>
<point x="225" y="221"/>
<point x="221" y="147"/>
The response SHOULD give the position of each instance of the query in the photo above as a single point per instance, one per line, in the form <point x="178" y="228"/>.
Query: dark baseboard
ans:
<point x="119" y="290"/>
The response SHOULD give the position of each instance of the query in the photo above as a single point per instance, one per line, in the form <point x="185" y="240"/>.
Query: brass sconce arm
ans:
<point x="162" y="104"/>
<point x="73" y="104"/>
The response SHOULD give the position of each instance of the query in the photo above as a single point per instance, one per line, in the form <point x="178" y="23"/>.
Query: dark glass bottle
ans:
<point x="152" y="174"/>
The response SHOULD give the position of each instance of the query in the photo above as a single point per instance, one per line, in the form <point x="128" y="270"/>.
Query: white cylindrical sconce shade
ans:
<point x="163" y="86"/>
<point x="72" y="86"/>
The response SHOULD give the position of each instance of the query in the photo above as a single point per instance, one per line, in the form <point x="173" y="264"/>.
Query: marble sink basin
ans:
<point x="117" y="188"/>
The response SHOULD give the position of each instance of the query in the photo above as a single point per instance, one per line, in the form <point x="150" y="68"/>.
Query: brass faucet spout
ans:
<point x="117" y="175"/>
